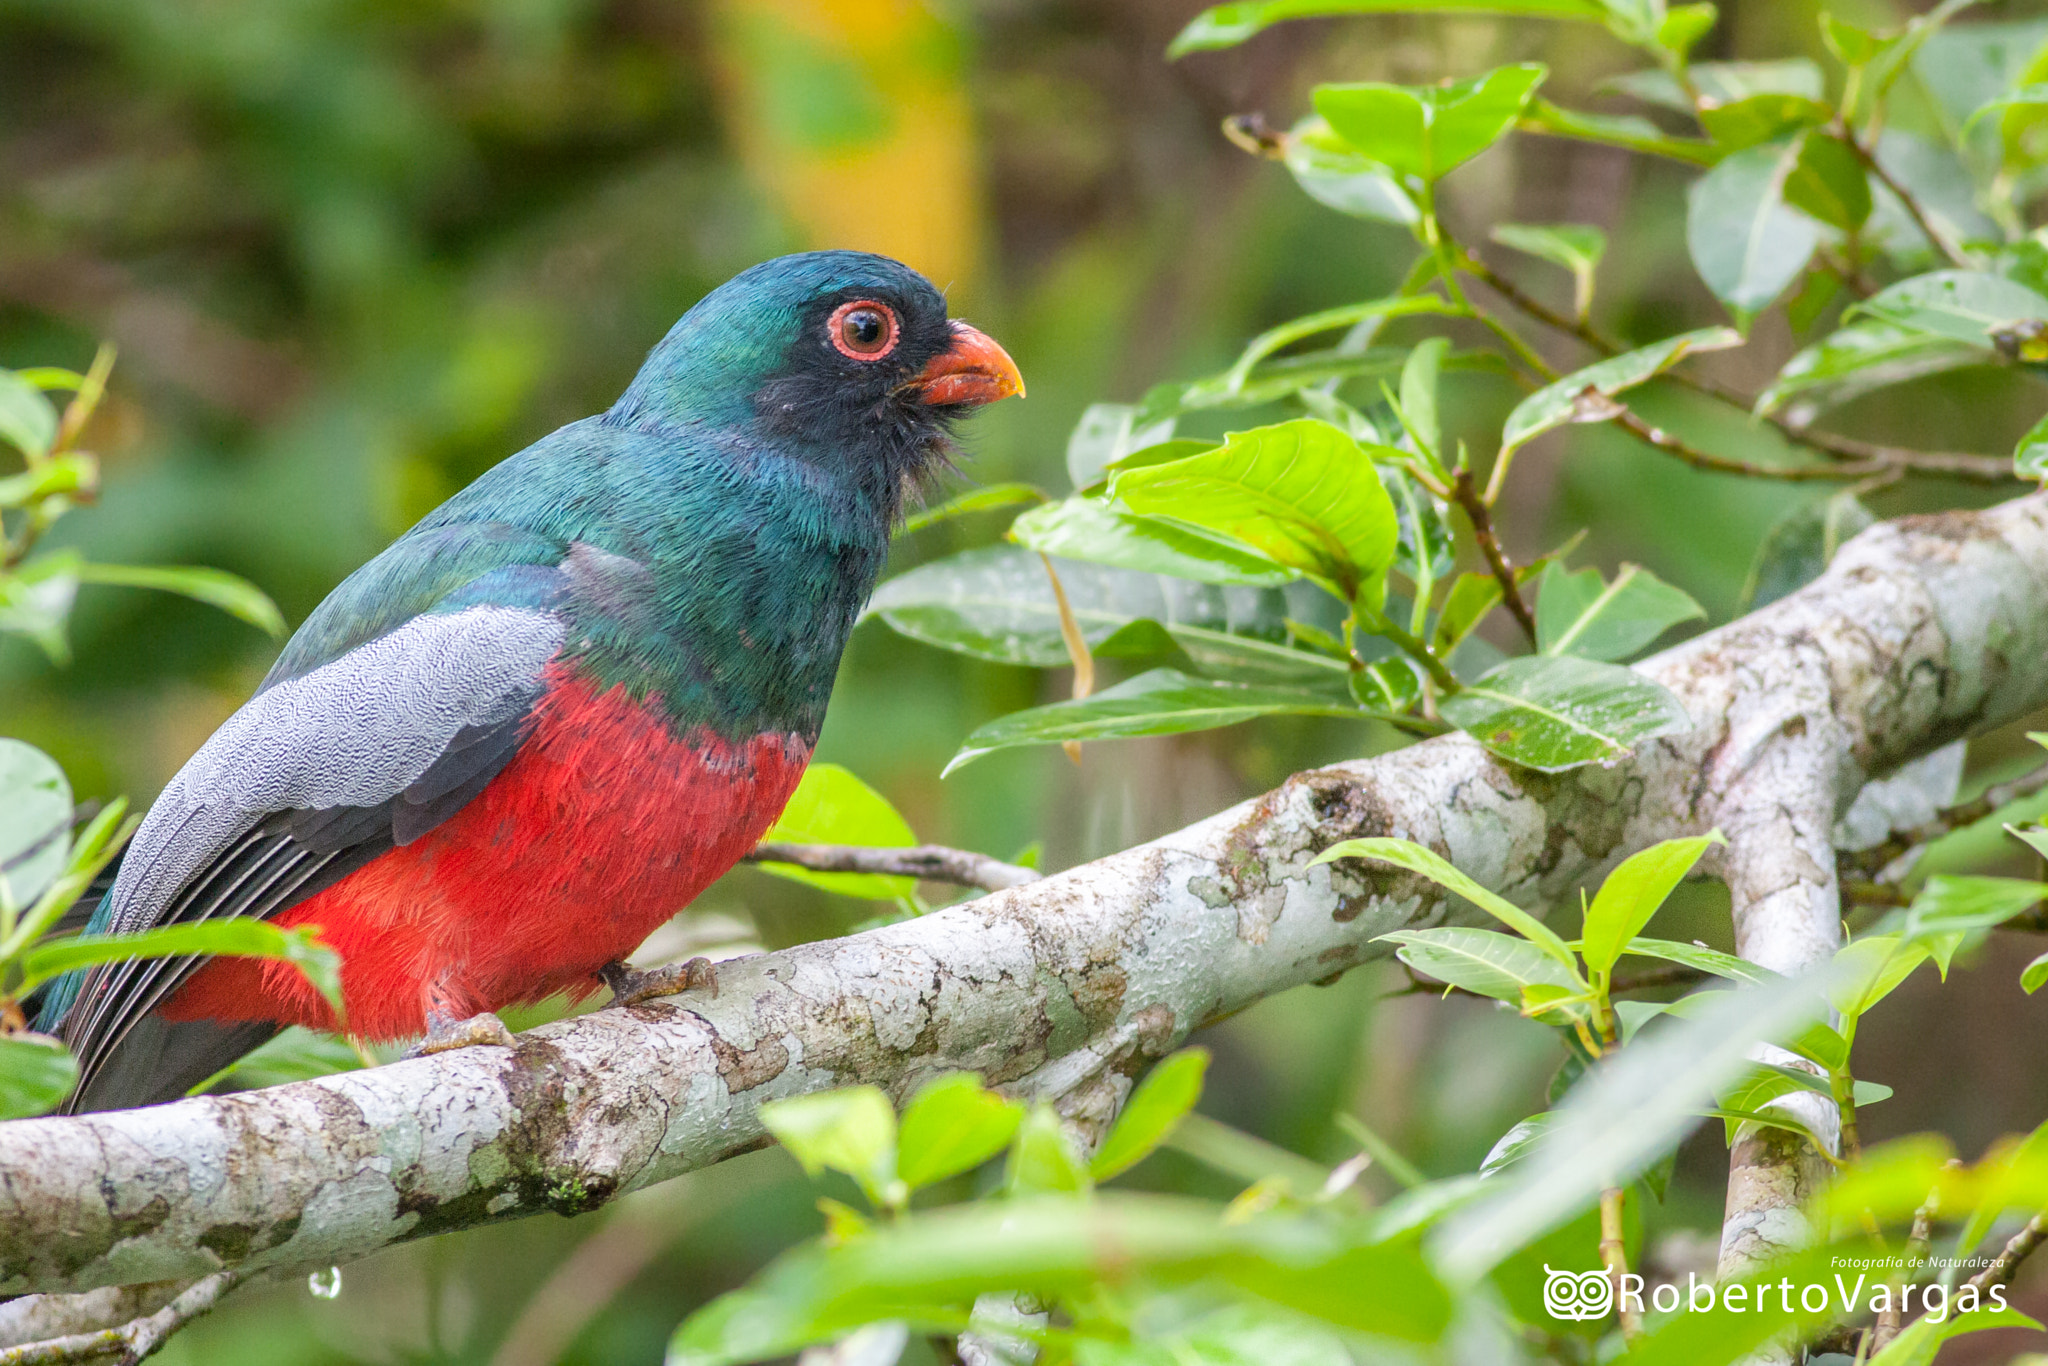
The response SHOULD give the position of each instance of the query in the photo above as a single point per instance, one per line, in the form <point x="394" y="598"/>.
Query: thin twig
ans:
<point x="1467" y="495"/>
<point x="1988" y="469"/>
<point x="927" y="862"/>
<point x="1704" y="460"/>
<point x="1912" y="206"/>
<point x="2023" y="1243"/>
<point x="134" y="1340"/>
<point x="1889" y="1317"/>
<point x="1614" y="1256"/>
<point x="1887" y="864"/>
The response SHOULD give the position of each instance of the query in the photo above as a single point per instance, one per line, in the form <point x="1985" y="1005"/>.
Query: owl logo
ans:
<point x="1577" y="1295"/>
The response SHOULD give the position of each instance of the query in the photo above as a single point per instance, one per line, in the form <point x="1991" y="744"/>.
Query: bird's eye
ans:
<point x="863" y="329"/>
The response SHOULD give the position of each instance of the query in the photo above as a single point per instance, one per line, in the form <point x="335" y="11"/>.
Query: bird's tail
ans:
<point x="48" y="1004"/>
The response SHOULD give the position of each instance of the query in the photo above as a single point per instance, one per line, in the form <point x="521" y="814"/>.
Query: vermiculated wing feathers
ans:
<point x="313" y="778"/>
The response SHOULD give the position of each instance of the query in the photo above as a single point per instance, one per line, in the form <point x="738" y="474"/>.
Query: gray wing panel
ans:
<point x="355" y="732"/>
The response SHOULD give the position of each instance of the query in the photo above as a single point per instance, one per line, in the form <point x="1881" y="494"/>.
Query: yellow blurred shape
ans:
<point x="853" y="116"/>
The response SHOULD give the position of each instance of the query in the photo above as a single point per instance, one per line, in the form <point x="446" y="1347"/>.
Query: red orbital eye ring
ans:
<point x="863" y="329"/>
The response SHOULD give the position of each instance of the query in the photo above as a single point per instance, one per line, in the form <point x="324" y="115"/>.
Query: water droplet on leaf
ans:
<point x="325" y="1285"/>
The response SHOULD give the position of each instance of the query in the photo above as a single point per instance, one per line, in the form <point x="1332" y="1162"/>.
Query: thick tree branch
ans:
<point x="1920" y="633"/>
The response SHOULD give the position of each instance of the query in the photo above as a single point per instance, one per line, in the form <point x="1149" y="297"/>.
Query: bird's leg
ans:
<point x="449" y="1026"/>
<point x="630" y="988"/>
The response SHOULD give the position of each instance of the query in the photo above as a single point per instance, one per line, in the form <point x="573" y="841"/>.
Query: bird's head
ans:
<point x="839" y="357"/>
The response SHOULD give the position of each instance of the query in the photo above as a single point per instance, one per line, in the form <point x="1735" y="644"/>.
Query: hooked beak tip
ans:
<point x="972" y="371"/>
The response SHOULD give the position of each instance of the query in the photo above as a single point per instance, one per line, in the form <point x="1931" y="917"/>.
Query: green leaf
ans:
<point x="1427" y="131"/>
<point x="28" y="421"/>
<point x="1416" y="859"/>
<point x="832" y="806"/>
<point x="1577" y="247"/>
<point x="1042" y="1157"/>
<point x="1583" y="395"/>
<point x="1870" y="969"/>
<point x="1094" y="530"/>
<point x="295" y="1055"/>
<point x="2034" y="974"/>
<point x="1698" y="956"/>
<point x="1863" y="356"/>
<point x="1576" y="614"/>
<point x="1919" y="1342"/>
<point x="73" y="472"/>
<point x="972" y="501"/>
<point x="1516" y="1144"/>
<point x="1473" y="595"/>
<point x="1762" y="117"/>
<point x="2030" y="457"/>
<point x="1425" y="549"/>
<point x="1620" y="1120"/>
<point x="1616" y="130"/>
<point x="1961" y="305"/>
<point x="1493" y="964"/>
<point x="952" y="1125"/>
<point x="928" y="1269"/>
<point x="1683" y="26"/>
<point x="1633" y="892"/>
<point x="1552" y="714"/>
<point x="1164" y="1098"/>
<point x="1335" y="174"/>
<point x="47" y="377"/>
<point x="1106" y="433"/>
<point x="1228" y="25"/>
<point x="1301" y="493"/>
<point x="851" y="1130"/>
<point x="1745" y="1098"/>
<point x="1418" y="399"/>
<point x="231" y="593"/>
<point x="1724" y="83"/>
<point x="1390" y="686"/>
<point x="1746" y="243"/>
<point x="1157" y="702"/>
<point x="1950" y="904"/>
<point x="1944" y="188"/>
<point x="36" y="1073"/>
<point x="996" y="603"/>
<point x="1799" y="546"/>
<point x="1829" y="182"/>
<point x="35" y="822"/>
<point x="238" y="937"/>
<point x="1372" y="311"/>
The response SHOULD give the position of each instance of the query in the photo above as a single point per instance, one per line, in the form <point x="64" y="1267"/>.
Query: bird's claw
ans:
<point x="630" y="988"/>
<point x="445" y="1032"/>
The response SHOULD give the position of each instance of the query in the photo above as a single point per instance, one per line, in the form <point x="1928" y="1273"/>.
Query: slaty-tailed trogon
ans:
<point x="511" y="745"/>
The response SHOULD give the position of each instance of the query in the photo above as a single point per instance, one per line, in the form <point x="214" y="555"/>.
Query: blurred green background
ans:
<point x="354" y="253"/>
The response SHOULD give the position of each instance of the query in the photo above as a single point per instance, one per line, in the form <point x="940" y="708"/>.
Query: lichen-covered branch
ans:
<point x="1921" y="632"/>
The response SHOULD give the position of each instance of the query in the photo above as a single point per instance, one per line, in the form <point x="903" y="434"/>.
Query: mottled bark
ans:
<point x="1921" y="632"/>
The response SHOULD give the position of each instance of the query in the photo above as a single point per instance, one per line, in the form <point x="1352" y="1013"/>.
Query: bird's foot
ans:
<point x="444" y="1032"/>
<point x="630" y="988"/>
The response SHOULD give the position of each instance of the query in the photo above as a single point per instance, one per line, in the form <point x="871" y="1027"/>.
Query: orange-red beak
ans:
<point x="973" y="370"/>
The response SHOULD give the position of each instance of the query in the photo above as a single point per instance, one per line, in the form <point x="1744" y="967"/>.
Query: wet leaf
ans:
<point x="1552" y="714"/>
<point x="1158" y="702"/>
<point x="1427" y="131"/>
<point x="1578" y="614"/>
<point x="1567" y="400"/>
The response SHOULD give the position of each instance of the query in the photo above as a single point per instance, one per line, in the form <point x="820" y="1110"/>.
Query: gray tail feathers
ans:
<point x="160" y="1061"/>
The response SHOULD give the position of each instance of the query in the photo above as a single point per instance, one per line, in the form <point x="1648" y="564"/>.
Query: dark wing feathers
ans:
<point x="445" y="710"/>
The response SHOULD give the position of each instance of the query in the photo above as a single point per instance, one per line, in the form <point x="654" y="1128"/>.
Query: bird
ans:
<point x="541" y="721"/>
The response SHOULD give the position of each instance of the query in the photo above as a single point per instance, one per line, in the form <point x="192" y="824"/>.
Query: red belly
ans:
<point x="602" y="827"/>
